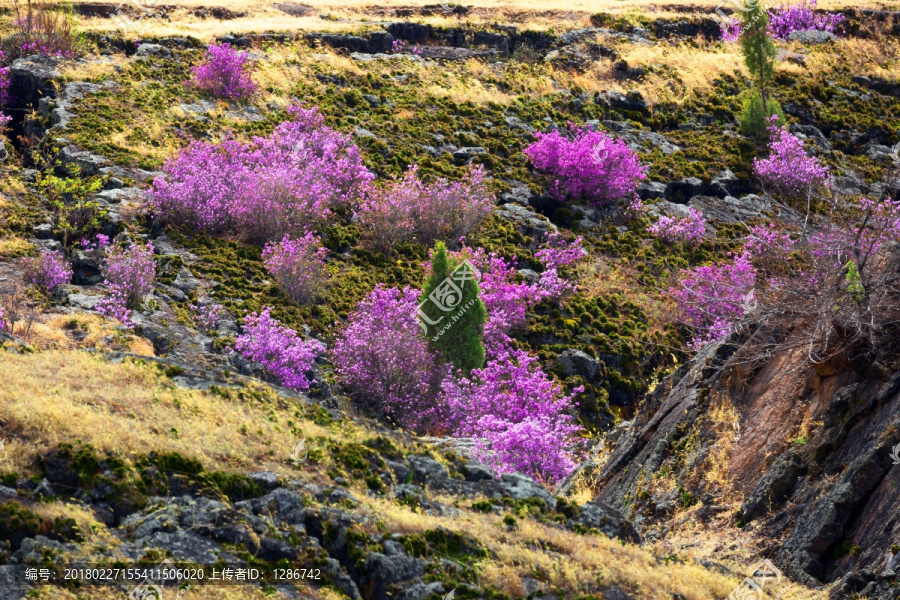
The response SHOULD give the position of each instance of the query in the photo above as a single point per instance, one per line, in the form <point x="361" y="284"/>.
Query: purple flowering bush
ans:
<point x="279" y="349"/>
<point x="689" y="230"/>
<point x="298" y="266"/>
<point x="48" y="271"/>
<point x="130" y="273"/>
<point x="521" y="418"/>
<point x="788" y="170"/>
<point x="712" y="298"/>
<point x="206" y="314"/>
<point x="786" y="19"/>
<point x="226" y="73"/>
<point x="383" y="360"/>
<point x="284" y="184"/>
<point x="589" y="164"/>
<point x="40" y="28"/>
<point x="407" y="208"/>
<point x="800" y="17"/>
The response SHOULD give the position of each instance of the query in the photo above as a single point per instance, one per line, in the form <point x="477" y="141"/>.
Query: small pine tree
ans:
<point x="753" y="119"/>
<point x="759" y="55"/>
<point x="458" y="335"/>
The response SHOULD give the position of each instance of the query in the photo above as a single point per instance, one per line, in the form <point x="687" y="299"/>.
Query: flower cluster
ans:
<point x="383" y="360"/>
<point x="129" y="274"/>
<point x="590" y="164"/>
<point x="712" y="298"/>
<point x="801" y="17"/>
<point x="402" y="46"/>
<point x="521" y="418"/>
<point x="100" y="242"/>
<point x="409" y="209"/>
<point x="731" y="29"/>
<point x="225" y="74"/>
<point x="279" y="349"/>
<point x="206" y="314"/>
<point x="789" y="170"/>
<point x="48" y="271"/>
<point x="298" y="266"/>
<point x="287" y="183"/>
<point x="690" y="229"/>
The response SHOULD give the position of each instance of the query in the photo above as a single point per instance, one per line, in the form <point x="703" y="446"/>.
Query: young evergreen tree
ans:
<point x="454" y="311"/>
<point x="759" y="55"/>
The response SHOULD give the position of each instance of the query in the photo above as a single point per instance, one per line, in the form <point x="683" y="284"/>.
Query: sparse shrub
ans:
<point x="455" y="311"/>
<point x="298" y="266"/>
<point x="207" y="314"/>
<point x="712" y="298"/>
<point x="407" y="208"/>
<point x="284" y="184"/>
<point x="788" y="170"/>
<point x="129" y="274"/>
<point x="589" y="164"/>
<point x="41" y="28"/>
<point x="519" y="417"/>
<point x="507" y="300"/>
<point x="226" y="73"/>
<point x="47" y="271"/>
<point x="279" y="349"/>
<point x="383" y="360"/>
<point x="689" y="230"/>
<point x="754" y="121"/>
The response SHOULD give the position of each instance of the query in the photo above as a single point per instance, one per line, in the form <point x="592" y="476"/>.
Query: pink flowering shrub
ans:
<point x="786" y="19"/>
<point x="129" y="274"/>
<point x="589" y="164"/>
<point x="712" y="298"/>
<point x="47" y="271"/>
<point x="439" y="211"/>
<point x="788" y="170"/>
<point x="298" y="266"/>
<point x="40" y="28"/>
<point x="689" y="230"/>
<point x="383" y="360"/>
<point x="100" y="242"/>
<point x="284" y="184"/>
<point x="226" y="73"/>
<point x="206" y="314"/>
<point x="799" y="17"/>
<point x="279" y="349"/>
<point x="521" y="419"/>
<point x="399" y="46"/>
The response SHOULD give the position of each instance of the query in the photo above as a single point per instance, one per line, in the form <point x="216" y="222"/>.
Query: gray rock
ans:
<point x="576" y="362"/>
<point x="185" y="281"/>
<point x="774" y="487"/>
<point x="364" y="133"/>
<point x="811" y="36"/>
<point x="682" y="190"/>
<point x="89" y="163"/>
<point x="476" y="471"/>
<point x="464" y="155"/>
<point x="648" y="190"/>
<point x="730" y="209"/>
<point x="514" y="122"/>
<point x="12" y="583"/>
<point x="420" y="591"/>
<point x="84" y="301"/>
<point x="44" y="489"/>
<point x="400" y="470"/>
<point x="44" y="231"/>
<point x="147" y="50"/>
<point x="668" y="209"/>
<point x="427" y="470"/>
<point x="265" y="479"/>
<point x="381" y="571"/>
<point x="87" y="267"/>
<point x="518" y="192"/>
<point x="528" y="222"/>
<point x="521" y="487"/>
<point x="599" y="515"/>
<point x="372" y="99"/>
<point x="725" y="183"/>
<point x="33" y="78"/>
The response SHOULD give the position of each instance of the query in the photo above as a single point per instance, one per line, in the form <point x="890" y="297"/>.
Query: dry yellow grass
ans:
<point x="55" y="396"/>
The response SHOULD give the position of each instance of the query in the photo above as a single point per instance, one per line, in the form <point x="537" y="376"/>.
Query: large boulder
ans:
<point x="598" y="515"/>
